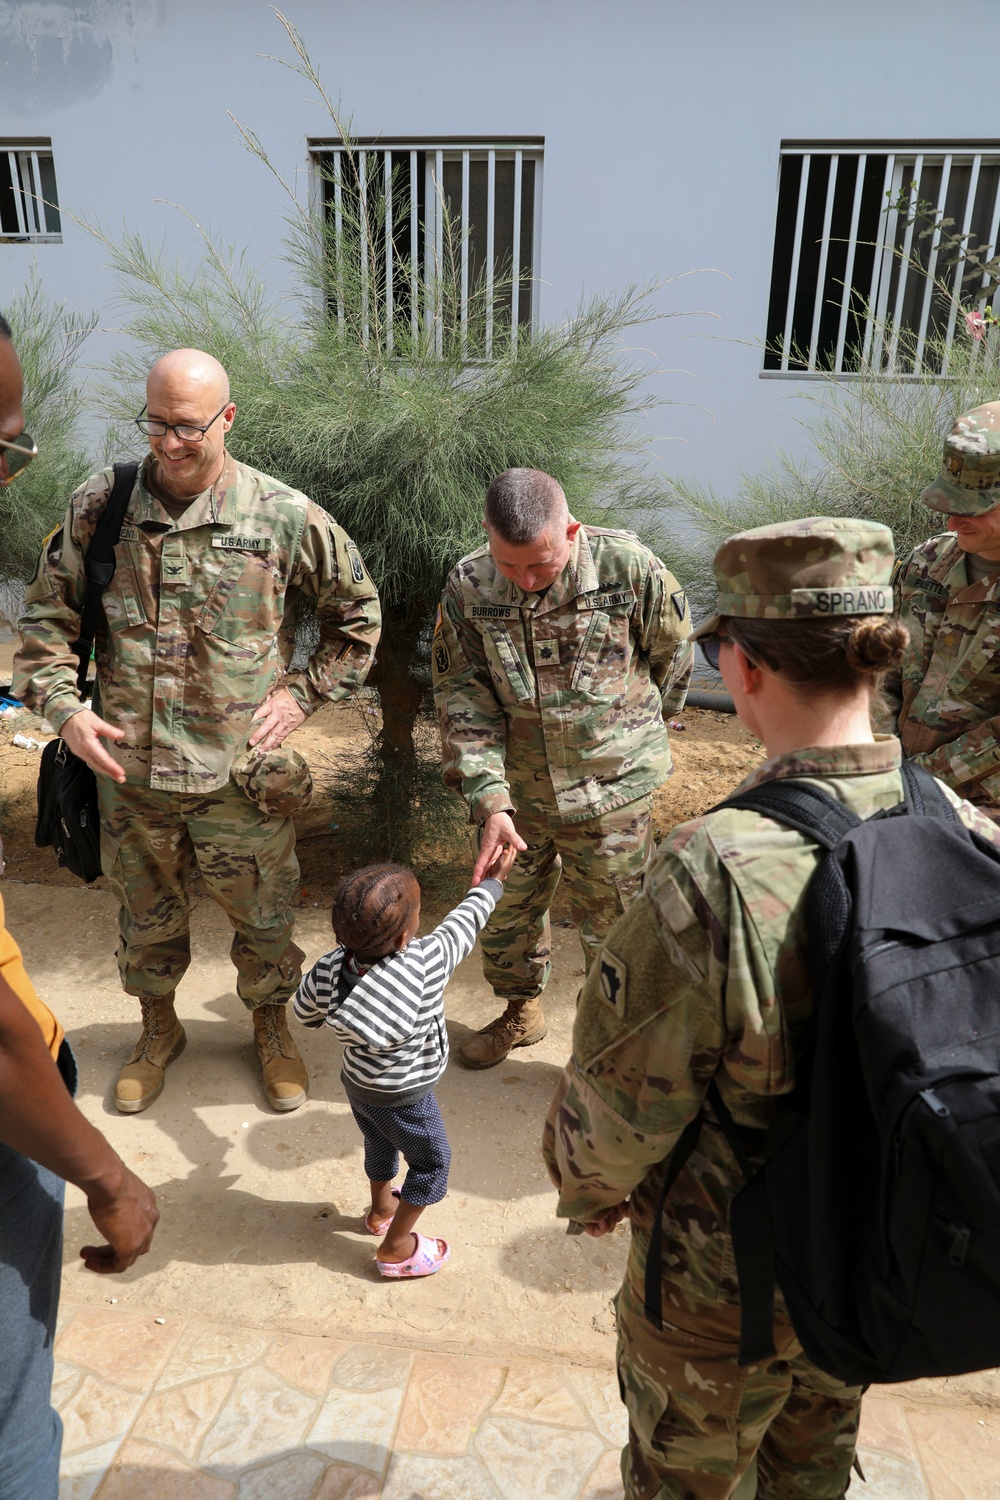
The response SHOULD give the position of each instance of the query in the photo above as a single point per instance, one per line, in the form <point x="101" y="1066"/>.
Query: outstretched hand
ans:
<point x="502" y="862"/>
<point x="498" y="832"/>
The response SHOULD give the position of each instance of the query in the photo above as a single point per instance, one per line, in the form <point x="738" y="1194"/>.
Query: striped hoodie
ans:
<point x="391" y="1018"/>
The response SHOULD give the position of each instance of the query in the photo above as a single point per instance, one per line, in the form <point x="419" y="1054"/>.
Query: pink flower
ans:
<point x="976" y="324"/>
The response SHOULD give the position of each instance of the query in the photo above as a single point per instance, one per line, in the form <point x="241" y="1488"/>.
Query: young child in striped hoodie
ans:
<point x="382" y="994"/>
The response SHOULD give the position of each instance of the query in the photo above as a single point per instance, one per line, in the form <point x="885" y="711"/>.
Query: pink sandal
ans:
<point x="385" y="1222"/>
<point x="429" y="1256"/>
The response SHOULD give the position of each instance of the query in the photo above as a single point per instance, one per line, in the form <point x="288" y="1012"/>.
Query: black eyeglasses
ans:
<point x="186" y="431"/>
<point x="711" y="646"/>
<point x="17" y="454"/>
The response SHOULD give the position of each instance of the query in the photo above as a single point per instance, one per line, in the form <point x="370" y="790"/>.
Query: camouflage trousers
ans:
<point x="152" y="842"/>
<point x="602" y="860"/>
<point x="696" y="1419"/>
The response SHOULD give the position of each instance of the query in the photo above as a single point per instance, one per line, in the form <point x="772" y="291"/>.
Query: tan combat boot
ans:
<point x="141" y="1079"/>
<point x="285" y="1078"/>
<point x="521" y="1024"/>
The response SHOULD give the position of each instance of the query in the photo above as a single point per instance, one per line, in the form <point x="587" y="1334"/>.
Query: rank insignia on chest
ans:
<point x="613" y="981"/>
<point x="229" y="541"/>
<point x="547" y="653"/>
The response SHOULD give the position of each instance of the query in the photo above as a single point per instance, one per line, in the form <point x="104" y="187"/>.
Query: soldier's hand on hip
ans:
<point x="498" y="830"/>
<point x="277" y="716"/>
<point x="83" y="734"/>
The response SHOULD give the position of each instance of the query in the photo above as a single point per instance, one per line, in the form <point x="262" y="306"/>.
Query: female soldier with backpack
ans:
<point x="706" y="978"/>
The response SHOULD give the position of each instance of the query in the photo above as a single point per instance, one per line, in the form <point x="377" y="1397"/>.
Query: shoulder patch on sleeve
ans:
<point x="44" y="550"/>
<point x="613" y="981"/>
<point x="357" y="566"/>
<point x="620" y="996"/>
<point x="679" y="601"/>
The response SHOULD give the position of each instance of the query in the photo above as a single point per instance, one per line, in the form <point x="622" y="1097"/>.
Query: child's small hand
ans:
<point x="502" y="862"/>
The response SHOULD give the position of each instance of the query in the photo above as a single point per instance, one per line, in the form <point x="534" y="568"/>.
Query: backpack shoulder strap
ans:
<point x="99" y="564"/>
<point x="923" y="794"/>
<point x="798" y="805"/>
<point x="686" y="1143"/>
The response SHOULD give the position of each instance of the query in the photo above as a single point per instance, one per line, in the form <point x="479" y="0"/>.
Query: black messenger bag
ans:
<point x="67" y="787"/>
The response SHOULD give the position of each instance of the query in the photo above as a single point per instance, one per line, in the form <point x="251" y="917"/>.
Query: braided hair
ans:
<point x="372" y="907"/>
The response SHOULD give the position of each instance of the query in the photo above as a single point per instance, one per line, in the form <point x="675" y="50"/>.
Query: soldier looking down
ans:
<point x="945" y="699"/>
<point x="195" y="697"/>
<point x="560" y="651"/>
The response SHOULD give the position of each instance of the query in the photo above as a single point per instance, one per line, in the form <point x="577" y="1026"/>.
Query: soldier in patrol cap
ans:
<point x="560" y="653"/>
<point x="944" y="703"/>
<point x="707" y="976"/>
<point x="193" y="670"/>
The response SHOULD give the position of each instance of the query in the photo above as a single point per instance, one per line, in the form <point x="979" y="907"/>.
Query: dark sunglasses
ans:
<point x="17" y="454"/>
<point x="710" y="647"/>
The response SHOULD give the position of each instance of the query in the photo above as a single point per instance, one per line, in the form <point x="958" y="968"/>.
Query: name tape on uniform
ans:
<point x="495" y="612"/>
<point x="876" y="600"/>
<point x="230" y="542"/>
<point x="129" y="534"/>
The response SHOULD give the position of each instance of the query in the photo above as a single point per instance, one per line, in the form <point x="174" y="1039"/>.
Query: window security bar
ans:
<point x="850" y="260"/>
<point x="28" y="203"/>
<point x="489" y="194"/>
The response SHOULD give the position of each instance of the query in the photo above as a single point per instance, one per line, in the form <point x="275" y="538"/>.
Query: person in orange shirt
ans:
<point x="44" y="1141"/>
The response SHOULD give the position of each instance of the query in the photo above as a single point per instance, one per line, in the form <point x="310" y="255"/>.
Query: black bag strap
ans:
<point x="99" y="565"/>
<point x="798" y="805"/>
<point x="925" y="795"/>
<point x="686" y="1143"/>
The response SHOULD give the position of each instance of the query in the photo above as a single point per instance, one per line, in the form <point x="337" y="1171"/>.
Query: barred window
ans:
<point x="462" y="213"/>
<point x="867" y="267"/>
<point x="29" y="204"/>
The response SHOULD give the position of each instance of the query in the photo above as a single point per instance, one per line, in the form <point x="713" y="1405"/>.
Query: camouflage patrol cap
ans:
<point x="803" y="570"/>
<point x="969" y="481"/>
<point x="279" y="781"/>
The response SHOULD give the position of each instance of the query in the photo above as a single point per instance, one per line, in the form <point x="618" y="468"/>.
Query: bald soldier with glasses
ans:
<point x="196" y="694"/>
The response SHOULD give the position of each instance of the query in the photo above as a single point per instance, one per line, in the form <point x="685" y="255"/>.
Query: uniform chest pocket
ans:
<point x="242" y="607"/>
<point x="604" y="653"/>
<point x="590" y="650"/>
<point x="122" y="601"/>
<point x="509" y="670"/>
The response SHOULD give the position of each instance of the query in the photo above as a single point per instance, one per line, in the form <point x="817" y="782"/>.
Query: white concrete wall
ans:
<point x="662" y="121"/>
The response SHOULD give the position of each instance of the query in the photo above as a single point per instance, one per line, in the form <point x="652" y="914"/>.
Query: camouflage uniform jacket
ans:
<point x="555" y="703"/>
<point x="706" y="975"/>
<point x="945" y="704"/>
<point x="200" y="621"/>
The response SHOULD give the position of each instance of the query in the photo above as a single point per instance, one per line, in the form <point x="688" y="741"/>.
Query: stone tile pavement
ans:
<point x="174" y="1408"/>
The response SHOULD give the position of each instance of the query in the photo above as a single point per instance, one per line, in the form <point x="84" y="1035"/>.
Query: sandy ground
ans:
<point x="262" y="1212"/>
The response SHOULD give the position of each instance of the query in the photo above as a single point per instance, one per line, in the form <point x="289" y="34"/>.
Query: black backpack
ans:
<point x="877" y="1209"/>
<point x="67" y="787"/>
